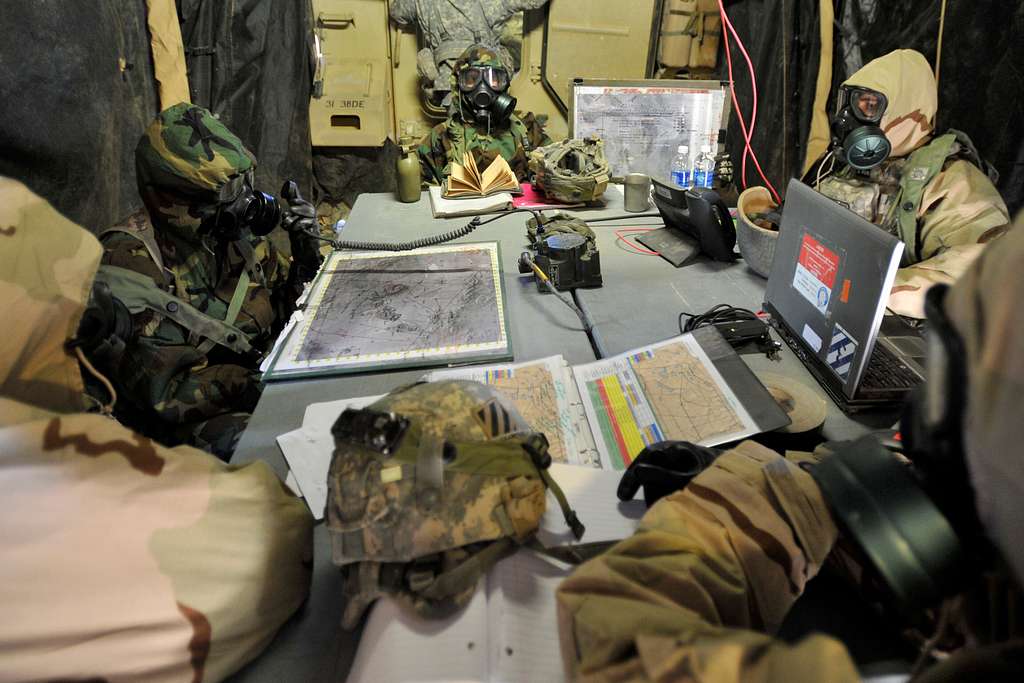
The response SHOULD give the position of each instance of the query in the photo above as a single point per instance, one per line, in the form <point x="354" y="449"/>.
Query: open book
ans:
<point x="688" y="388"/>
<point x="466" y="180"/>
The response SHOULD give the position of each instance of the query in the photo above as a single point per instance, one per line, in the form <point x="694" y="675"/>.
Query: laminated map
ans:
<point x="643" y="123"/>
<point x="374" y="310"/>
<point x="602" y="414"/>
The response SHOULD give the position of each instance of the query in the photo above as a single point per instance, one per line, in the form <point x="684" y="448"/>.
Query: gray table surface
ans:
<point x="639" y="303"/>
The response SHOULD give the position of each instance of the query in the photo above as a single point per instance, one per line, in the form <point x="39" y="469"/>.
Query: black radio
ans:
<point x="566" y="250"/>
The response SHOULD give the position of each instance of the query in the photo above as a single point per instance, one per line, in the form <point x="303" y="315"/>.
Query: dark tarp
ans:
<point x="782" y="38"/>
<point x="70" y="116"/>
<point x="249" y="63"/>
<point x="981" y="81"/>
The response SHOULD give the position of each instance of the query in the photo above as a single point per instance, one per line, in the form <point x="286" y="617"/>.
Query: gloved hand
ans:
<point x="106" y="326"/>
<point x="663" y="468"/>
<point x="300" y="223"/>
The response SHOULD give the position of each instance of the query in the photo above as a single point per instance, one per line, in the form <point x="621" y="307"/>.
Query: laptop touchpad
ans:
<point x="909" y="346"/>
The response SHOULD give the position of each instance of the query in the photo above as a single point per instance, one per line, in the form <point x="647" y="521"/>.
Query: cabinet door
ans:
<point x="606" y="39"/>
<point x="352" y="107"/>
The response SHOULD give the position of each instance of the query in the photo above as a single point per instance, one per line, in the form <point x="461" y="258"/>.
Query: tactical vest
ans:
<point x="921" y="167"/>
<point x="138" y="293"/>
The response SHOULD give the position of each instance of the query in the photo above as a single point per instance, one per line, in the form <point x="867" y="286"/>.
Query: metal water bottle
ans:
<point x="409" y="175"/>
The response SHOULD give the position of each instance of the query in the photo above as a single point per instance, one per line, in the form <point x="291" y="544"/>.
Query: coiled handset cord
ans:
<point x="429" y="241"/>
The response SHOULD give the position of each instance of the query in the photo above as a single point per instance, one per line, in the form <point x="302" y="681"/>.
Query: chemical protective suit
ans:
<point x="123" y="560"/>
<point x="208" y="293"/>
<point x="696" y="593"/>
<point x="930" y="191"/>
<point x="481" y="120"/>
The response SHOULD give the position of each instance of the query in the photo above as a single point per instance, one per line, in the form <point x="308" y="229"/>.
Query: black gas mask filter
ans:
<point x="484" y="93"/>
<point x="857" y="137"/>
<point x="914" y="518"/>
<point x="242" y="207"/>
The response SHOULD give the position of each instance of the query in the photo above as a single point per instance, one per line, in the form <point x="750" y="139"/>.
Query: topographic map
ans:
<point x="685" y="398"/>
<point x="666" y="391"/>
<point x="542" y="392"/>
<point x="380" y="308"/>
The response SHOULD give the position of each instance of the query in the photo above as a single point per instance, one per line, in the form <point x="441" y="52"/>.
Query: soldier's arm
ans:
<point x="960" y="206"/>
<point x="432" y="159"/>
<point x="960" y="211"/>
<point x="403" y="12"/>
<point x="713" y="569"/>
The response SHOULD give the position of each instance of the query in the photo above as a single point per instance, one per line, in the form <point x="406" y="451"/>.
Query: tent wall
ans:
<point x="77" y="90"/>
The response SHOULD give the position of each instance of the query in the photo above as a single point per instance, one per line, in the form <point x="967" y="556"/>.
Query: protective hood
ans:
<point x="986" y="306"/>
<point x="906" y="80"/>
<point x="187" y="160"/>
<point x="47" y="264"/>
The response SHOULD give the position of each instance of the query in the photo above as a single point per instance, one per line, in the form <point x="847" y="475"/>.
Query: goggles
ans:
<point x="471" y="77"/>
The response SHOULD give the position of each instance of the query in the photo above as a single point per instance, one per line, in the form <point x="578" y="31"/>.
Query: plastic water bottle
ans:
<point x="681" y="169"/>
<point x="704" y="168"/>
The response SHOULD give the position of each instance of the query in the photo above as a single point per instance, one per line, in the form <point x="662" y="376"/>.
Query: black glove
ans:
<point x="300" y="223"/>
<point x="106" y="326"/>
<point x="663" y="468"/>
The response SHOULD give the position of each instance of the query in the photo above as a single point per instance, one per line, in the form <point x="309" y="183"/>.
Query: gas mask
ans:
<point x="483" y="90"/>
<point x="241" y="206"/>
<point x="856" y="135"/>
<point x="915" y="521"/>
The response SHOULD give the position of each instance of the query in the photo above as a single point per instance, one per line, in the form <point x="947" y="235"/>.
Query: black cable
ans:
<point x="725" y="317"/>
<point x="429" y="241"/>
<point x="623" y="217"/>
<point x="595" y="337"/>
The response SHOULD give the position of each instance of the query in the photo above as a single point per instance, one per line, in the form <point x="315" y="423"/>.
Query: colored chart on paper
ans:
<point x="625" y="419"/>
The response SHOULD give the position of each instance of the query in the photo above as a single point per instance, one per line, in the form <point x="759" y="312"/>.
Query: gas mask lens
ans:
<point x="497" y="79"/>
<point x="867" y="105"/>
<point x="469" y="78"/>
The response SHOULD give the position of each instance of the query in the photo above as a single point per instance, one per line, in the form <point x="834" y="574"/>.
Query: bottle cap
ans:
<point x="683" y="149"/>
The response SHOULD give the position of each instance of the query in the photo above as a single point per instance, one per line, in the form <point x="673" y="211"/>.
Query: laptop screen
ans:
<point x="830" y="280"/>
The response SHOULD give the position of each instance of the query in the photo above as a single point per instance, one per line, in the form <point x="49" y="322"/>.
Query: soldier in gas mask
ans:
<point x="481" y="120"/>
<point x="191" y="292"/>
<point x="697" y="592"/>
<point x="885" y="163"/>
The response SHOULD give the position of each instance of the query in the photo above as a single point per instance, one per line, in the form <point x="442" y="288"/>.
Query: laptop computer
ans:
<point x="827" y="293"/>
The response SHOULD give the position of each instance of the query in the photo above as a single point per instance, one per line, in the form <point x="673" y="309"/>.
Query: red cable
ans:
<point x="634" y="247"/>
<point x="747" y="148"/>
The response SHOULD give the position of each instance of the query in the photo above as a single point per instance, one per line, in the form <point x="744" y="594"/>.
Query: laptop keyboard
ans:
<point x="886" y="371"/>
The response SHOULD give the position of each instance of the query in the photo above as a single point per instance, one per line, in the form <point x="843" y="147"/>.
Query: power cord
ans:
<point x="739" y="326"/>
<point x="580" y="311"/>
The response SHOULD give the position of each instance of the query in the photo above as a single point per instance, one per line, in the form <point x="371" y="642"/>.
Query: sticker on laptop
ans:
<point x="816" y="270"/>
<point x="811" y="337"/>
<point x="841" y="351"/>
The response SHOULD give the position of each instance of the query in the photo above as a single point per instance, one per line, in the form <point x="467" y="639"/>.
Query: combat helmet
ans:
<point x="428" y="487"/>
<point x="186" y="163"/>
<point x="571" y="170"/>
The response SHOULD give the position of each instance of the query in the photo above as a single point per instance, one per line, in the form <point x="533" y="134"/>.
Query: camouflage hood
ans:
<point x="987" y="307"/>
<point x="186" y="162"/>
<point x="906" y="80"/>
<point x="47" y="265"/>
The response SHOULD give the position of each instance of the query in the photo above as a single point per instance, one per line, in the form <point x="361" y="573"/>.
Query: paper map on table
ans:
<point x="545" y="395"/>
<point x="380" y="309"/>
<point x="666" y="391"/>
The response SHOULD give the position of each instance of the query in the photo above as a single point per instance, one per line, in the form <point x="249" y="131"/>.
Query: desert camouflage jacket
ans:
<point x="930" y="193"/>
<point x="125" y="560"/>
<point x="451" y="139"/>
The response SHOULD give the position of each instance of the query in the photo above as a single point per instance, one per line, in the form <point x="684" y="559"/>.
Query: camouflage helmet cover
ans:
<point x="571" y="170"/>
<point x="458" y="480"/>
<point x="187" y="149"/>
<point x="478" y="55"/>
